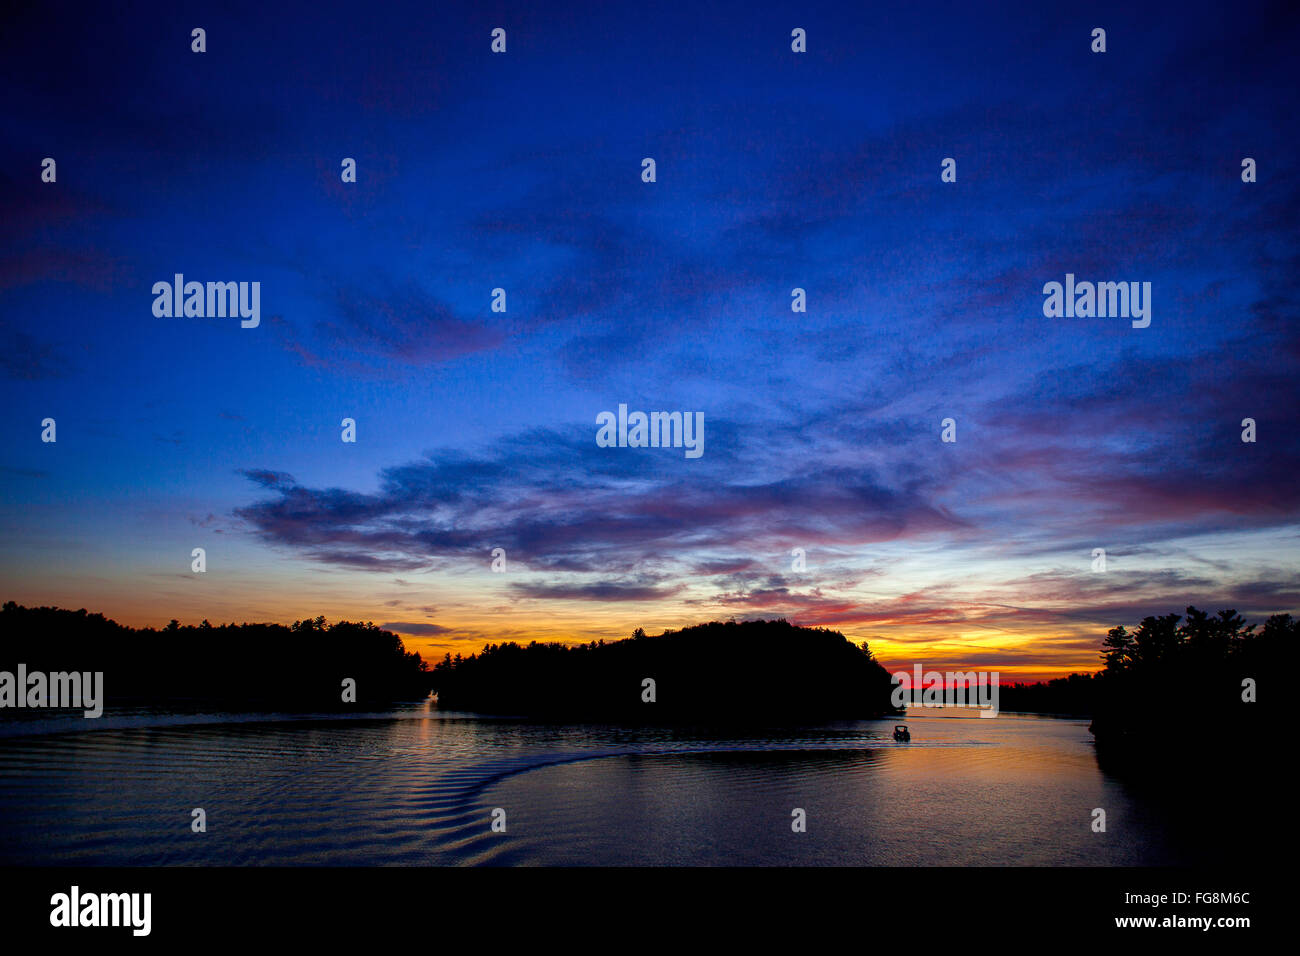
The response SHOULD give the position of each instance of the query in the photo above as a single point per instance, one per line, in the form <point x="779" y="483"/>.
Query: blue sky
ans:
<point x="775" y="170"/>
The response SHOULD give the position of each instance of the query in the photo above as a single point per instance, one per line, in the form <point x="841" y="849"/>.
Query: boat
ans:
<point x="902" y="733"/>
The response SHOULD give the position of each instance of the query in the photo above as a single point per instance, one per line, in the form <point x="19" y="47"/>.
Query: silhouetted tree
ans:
<point x="1165" y="669"/>
<point x="264" y="664"/>
<point x="767" y="670"/>
<point x="1117" y="648"/>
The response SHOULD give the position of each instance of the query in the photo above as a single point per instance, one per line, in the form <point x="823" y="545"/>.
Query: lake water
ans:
<point x="418" y="786"/>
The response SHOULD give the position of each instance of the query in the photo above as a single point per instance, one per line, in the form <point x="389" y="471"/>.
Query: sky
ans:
<point x="774" y="170"/>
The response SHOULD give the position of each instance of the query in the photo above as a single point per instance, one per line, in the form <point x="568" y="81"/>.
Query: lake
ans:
<point x="418" y="786"/>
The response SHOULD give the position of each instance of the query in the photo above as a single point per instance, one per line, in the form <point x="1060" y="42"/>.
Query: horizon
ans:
<point x="915" y="667"/>
<point x="825" y="492"/>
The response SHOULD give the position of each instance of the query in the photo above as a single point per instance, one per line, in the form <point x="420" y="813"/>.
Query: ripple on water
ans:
<point x="418" y="788"/>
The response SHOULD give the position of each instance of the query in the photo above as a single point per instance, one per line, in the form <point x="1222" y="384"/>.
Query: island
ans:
<point x="768" y="672"/>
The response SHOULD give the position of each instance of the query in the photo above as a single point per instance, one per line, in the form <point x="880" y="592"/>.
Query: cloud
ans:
<point x="416" y="628"/>
<point x="376" y="331"/>
<point x="600" y="591"/>
<point x="24" y="472"/>
<point x="629" y="509"/>
<point x="269" y="479"/>
<point x="24" y="358"/>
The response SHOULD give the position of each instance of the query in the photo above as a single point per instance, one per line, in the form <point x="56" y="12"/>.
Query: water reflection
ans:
<point x="418" y="786"/>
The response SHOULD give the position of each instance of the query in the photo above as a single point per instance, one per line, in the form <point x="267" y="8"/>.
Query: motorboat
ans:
<point x="902" y="733"/>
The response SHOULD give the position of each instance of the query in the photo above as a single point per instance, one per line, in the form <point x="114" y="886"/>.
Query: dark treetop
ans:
<point x="769" y="671"/>
<point x="303" y="665"/>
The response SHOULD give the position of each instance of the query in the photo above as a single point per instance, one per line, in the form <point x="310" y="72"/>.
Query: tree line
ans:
<point x="276" y="665"/>
<point x="1230" y="673"/>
